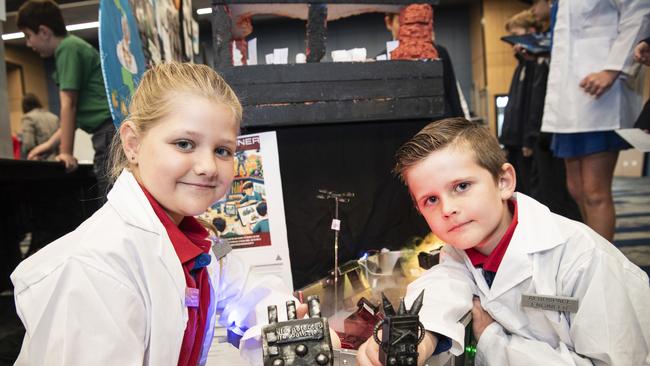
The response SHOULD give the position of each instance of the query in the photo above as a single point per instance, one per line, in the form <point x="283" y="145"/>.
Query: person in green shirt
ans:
<point x="81" y="85"/>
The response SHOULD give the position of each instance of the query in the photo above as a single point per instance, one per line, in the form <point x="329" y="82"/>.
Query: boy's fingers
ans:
<point x="301" y="311"/>
<point x="366" y="356"/>
<point x="476" y="308"/>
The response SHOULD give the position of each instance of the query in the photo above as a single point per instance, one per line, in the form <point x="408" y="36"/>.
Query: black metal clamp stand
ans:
<point x="343" y="197"/>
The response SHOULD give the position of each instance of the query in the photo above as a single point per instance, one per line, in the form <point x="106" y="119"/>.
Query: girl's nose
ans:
<point x="206" y="165"/>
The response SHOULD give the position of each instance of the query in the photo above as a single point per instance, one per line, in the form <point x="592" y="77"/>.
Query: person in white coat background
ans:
<point x="542" y="289"/>
<point x="593" y="89"/>
<point x="139" y="282"/>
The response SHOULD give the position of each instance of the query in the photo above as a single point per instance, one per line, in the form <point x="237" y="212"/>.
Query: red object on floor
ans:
<point x="16" y="145"/>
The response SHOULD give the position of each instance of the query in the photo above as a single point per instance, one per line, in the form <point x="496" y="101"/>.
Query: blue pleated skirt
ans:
<point x="573" y="145"/>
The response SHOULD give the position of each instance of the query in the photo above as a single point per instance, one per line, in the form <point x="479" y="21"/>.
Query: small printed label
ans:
<point x="221" y="248"/>
<point x="191" y="297"/>
<point x="336" y="224"/>
<point x="300" y="331"/>
<point x="553" y="303"/>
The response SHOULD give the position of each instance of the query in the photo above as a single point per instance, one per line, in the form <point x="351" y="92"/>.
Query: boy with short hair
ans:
<point x="80" y="81"/>
<point x="249" y="193"/>
<point x="262" y="224"/>
<point x="543" y="289"/>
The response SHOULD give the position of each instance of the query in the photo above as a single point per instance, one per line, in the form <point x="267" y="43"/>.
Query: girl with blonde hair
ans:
<point x="140" y="283"/>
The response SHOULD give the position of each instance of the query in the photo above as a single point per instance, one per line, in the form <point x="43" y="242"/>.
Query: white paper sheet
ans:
<point x="636" y="137"/>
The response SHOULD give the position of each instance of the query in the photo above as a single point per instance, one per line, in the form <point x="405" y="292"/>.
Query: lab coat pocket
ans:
<point x="589" y="55"/>
<point x="543" y="324"/>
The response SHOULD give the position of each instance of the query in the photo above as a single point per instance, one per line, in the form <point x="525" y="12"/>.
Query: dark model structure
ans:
<point x="297" y="342"/>
<point x="401" y="333"/>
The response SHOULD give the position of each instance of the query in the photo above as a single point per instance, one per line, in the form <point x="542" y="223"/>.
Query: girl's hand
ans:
<point x="480" y="319"/>
<point x="301" y="313"/>
<point x="597" y="83"/>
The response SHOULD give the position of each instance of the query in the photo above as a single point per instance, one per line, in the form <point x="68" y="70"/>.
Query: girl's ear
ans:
<point x="130" y="138"/>
<point x="507" y="181"/>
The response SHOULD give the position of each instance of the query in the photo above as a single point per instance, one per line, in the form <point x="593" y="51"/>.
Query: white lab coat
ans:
<point x="590" y="36"/>
<point x="112" y="292"/>
<point x="548" y="255"/>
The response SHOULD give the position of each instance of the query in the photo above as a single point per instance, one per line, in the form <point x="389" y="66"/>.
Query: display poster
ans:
<point x="251" y="215"/>
<point x="145" y="12"/>
<point x="188" y="30"/>
<point x="169" y="29"/>
<point x="123" y="61"/>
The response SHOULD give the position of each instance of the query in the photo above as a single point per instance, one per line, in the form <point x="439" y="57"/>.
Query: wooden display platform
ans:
<point x="317" y="93"/>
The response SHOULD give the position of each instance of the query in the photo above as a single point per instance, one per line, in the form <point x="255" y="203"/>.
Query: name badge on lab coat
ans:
<point x="553" y="303"/>
<point x="191" y="297"/>
<point x="221" y="248"/>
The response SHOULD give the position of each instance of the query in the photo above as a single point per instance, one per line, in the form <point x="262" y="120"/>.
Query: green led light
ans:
<point x="471" y="350"/>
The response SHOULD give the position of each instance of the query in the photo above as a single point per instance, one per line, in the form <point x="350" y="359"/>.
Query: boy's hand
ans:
<point x="368" y="354"/>
<point x="597" y="83"/>
<point x="480" y="319"/>
<point x="301" y="312"/>
<point x="642" y="53"/>
<point x="38" y="151"/>
<point x="69" y="161"/>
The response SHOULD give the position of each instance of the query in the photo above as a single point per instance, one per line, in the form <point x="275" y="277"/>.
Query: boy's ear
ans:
<point x="507" y="181"/>
<point x="45" y="30"/>
<point x="130" y="137"/>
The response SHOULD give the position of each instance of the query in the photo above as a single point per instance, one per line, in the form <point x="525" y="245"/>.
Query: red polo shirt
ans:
<point x="491" y="262"/>
<point x="189" y="241"/>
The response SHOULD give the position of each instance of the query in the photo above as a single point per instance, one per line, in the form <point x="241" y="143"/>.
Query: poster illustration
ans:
<point x="242" y="216"/>
<point x="145" y="12"/>
<point x="251" y="215"/>
<point x="123" y="61"/>
<point x="188" y="30"/>
<point x="169" y="29"/>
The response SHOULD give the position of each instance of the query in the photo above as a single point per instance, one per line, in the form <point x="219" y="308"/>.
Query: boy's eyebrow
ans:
<point x="450" y="184"/>
<point x="460" y="180"/>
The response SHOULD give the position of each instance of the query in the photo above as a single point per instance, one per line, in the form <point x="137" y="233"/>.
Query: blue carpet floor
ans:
<point x="632" y="201"/>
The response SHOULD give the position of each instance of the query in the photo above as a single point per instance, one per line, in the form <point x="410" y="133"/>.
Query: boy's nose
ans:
<point x="449" y="207"/>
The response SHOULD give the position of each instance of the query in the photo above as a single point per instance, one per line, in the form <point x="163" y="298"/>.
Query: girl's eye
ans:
<point x="184" y="145"/>
<point x="223" y="152"/>
<point x="462" y="187"/>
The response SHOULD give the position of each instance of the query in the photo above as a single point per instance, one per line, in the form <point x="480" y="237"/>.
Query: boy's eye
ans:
<point x="461" y="187"/>
<point x="184" y="145"/>
<point x="223" y="152"/>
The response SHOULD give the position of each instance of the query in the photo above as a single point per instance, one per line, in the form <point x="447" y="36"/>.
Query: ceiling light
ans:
<point x="72" y="27"/>
<point x="204" y="11"/>
<point x="80" y="26"/>
<point x="8" y="36"/>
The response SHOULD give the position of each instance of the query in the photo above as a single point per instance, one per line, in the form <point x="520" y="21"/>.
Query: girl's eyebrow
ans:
<point x="197" y="135"/>
<point x="187" y="132"/>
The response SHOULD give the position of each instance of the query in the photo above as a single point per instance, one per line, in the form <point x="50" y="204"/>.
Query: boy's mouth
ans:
<point x="458" y="226"/>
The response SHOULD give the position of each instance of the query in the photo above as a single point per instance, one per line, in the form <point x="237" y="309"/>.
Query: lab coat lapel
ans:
<point x="534" y="233"/>
<point x="132" y="205"/>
